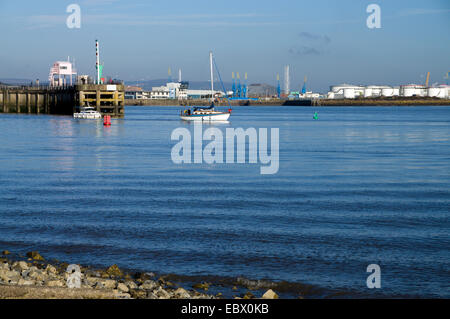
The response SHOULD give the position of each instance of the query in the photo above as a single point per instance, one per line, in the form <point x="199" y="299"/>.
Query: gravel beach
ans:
<point x="35" y="278"/>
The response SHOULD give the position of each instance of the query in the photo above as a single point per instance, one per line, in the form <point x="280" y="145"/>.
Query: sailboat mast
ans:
<point x="212" y="74"/>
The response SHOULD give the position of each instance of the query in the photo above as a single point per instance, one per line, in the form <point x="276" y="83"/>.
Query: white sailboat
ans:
<point x="206" y="113"/>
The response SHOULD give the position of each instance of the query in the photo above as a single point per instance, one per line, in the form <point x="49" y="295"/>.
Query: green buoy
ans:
<point x="316" y="116"/>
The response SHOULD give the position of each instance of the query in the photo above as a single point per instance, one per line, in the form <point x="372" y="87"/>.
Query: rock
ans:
<point x="20" y="266"/>
<point x="203" y="285"/>
<point x="131" y="284"/>
<point x="23" y="282"/>
<point x="55" y="283"/>
<point x="51" y="269"/>
<point x="248" y="295"/>
<point x="5" y="252"/>
<point x="270" y="294"/>
<point x="138" y="293"/>
<point x="162" y="294"/>
<point x="114" y="271"/>
<point x="107" y="283"/>
<point x="98" y="285"/>
<point x="36" y="274"/>
<point x="151" y="295"/>
<point x="182" y="293"/>
<point x="149" y="285"/>
<point x="9" y="276"/>
<point x="122" y="287"/>
<point x="142" y="277"/>
<point x="35" y="255"/>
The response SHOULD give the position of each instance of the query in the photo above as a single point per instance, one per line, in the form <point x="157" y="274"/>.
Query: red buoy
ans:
<point x="229" y="111"/>
<point x="107" y="120"/>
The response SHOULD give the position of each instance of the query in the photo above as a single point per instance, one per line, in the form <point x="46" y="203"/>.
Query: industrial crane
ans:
<point x="428" y="79"/>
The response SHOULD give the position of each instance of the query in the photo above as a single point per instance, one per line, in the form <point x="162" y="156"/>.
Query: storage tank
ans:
<point x="396" y="91"/>
<point x="409" y="91"/>
<point x="387" y="92"/>
<point x="349" y="93"/>
<point x="413" y="90"/>
<point x="376" y="90"/>
<point x="368" y="92"/>
<point x="433" y="92"/>
<point x="439" y="92"/>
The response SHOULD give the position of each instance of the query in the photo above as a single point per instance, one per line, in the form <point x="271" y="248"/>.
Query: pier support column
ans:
<point x="17" y="103"/>
<point x="98" y="100"/>
<point x="5" y="101"/>
<point x="116" y="103"/>
<point x="28" y="102"/>
<point x="37" y="103"/>
<point x="46" y="110"/>
<point x="81" y="102"/>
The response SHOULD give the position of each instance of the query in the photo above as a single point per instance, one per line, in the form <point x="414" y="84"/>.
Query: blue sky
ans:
<point x="328" y="41"/>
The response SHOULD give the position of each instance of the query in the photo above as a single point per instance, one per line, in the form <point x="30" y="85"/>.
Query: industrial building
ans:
<point x="348" y="91"/>
<point x="172" y="90"/>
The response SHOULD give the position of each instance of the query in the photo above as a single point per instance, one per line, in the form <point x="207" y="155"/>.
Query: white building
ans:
<point x="159" y="94"/>
<point x="172" y="90"/>
<point x="179" y="90"/>
<point x="309" y="95"/>
<point x="61" y="73"/>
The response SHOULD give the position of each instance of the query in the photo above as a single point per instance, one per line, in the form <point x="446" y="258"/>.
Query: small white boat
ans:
<point x="88" y="113"/>
<point x="204" y="114"/>
<point x="199" y="113"/>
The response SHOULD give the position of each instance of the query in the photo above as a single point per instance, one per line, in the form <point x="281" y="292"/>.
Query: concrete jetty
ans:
<point x="63" y="100"/>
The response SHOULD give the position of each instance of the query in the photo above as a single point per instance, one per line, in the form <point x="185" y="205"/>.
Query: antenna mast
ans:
<point x="212" y="74"/>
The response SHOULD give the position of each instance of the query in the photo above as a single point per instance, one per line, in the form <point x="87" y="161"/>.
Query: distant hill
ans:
<point x="15" y="81"/>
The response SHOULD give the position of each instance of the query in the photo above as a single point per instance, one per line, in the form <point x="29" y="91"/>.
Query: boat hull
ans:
<point x="206" y="117"/>
<point x="87" y="116"/>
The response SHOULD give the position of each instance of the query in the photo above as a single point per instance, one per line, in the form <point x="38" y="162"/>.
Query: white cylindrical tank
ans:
<point x="331" y="95"/>
<point x="439" y="92"/>
<point x="413" y="90"/>
<point x="409" y="91"/>
<point x="396" y="92"/>
<point x="433" y="92"/>
<point x="368" y="92"/>
<point x="387" y="92"/>
<point x="376" y="91"/>
<point x="349" y="93"/>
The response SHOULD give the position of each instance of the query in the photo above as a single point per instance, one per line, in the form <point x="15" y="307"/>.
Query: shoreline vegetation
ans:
<point x="33" y="277"/>
<point x="278" y="102"/>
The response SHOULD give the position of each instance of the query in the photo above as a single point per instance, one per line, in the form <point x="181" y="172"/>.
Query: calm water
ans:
<point x="359" y="186"/>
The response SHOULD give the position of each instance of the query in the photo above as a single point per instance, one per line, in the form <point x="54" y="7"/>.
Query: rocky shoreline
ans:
<point x="35" y="278"/>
